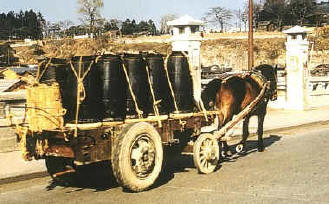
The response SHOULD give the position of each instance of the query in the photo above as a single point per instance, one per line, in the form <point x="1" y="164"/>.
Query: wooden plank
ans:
<point x="12" y="96"/>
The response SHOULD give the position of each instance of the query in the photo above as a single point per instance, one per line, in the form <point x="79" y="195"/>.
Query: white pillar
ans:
<point x="296" y="62"/>
<point x="195" y="65"/>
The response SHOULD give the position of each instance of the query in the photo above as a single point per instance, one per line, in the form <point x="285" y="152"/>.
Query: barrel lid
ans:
<point x="54" y="60"/>
<point x="177" y="53"/>
<point x="154" y="55"/>
<point x="57" y="60"/>
<point x="132" y="56"/>
<point x="84" y="58"/>
<point x="110" y="56"/>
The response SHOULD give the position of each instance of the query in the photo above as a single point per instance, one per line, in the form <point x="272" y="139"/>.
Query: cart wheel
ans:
<point x="138" y="156"/>
<point x="59" y="167"/>
<point x="206" y="153"/>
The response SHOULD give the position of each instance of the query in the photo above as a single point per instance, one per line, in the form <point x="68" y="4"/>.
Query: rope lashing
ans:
<point x="155" y="103"/>
<point x="199" y="103"/>
<point x="39" y="75"/>
<point x="169" y="82"/>
<point x="81" y="91"/>
<point x="138" y="111"/>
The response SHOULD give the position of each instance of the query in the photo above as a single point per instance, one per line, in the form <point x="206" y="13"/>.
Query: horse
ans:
<point x="231" y="93"/>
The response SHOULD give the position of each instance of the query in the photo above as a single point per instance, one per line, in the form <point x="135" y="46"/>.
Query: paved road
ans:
<point x="293" y="169"/>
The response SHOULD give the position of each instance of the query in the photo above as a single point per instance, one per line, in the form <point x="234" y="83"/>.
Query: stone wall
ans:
<point x="234" y="53"/>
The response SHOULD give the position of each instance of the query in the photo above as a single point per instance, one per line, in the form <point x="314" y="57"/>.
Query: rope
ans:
<point x="81" y="91"/>
<point x="155" y="103"/>
<point x="38" y="73"/>
<point x="200" y="104"/>
<point x="43" y="71"/>
<point x="138" y="111"/>
<point x="169" y="82"/>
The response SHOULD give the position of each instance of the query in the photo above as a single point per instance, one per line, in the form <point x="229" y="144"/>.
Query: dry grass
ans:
<point x="217" y="48"/>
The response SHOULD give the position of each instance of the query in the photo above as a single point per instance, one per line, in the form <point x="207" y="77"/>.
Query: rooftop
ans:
<point x="296" y="30"/>
<point x="185" y="20"/>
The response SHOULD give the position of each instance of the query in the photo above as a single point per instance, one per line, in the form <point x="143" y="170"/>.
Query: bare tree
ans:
<point x="64" y="25"/>
<point x="244" y="18"/>
<point x="257" y="8"/>
<point x="239" y="14"/>
<point x="90" y="13"/>
<point x="219" y="15"/>
<point x="164" y="19"/>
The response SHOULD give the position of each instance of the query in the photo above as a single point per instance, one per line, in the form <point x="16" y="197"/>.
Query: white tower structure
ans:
<point x="186" y="37"/>
<point x="296" y="62"/>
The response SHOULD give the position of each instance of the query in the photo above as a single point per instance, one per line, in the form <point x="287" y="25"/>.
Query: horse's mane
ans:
<point x="266" y="70"/>
<point x="209" y="92"/>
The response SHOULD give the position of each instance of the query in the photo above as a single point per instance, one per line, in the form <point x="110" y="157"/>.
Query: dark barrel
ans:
<point x="53" y="70"/>
<point x="114" y="87"/>
<point x="159" y="82"/>
<point x="91" y="107"/>
<point x="136" y="68"/>
<point x="181" y="81"/>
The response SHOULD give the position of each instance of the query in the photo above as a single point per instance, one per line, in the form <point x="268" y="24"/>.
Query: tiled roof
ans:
<point x="22" y="70"/>
<point x="6" y="84"/>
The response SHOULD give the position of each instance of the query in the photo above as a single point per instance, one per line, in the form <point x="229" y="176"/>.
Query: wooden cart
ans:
<point x="134" y="145"/>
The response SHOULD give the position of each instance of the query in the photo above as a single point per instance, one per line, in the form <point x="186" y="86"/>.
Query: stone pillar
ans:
<point x="194" y="56"/>
<point x="187" y="39"/>
<point x="296" y="67"/>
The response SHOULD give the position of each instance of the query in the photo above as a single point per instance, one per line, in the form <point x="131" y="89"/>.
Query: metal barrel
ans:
<point x="90" y="109"/>
<point x="137" y="74"/>
<point x="114" y="87"/>
<point x="159" y="82"/>
<point x="56" y="70"/>
<point x="181" y="80"/>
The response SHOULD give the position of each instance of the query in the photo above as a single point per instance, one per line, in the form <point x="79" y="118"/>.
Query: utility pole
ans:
<point x="251" y="37"/>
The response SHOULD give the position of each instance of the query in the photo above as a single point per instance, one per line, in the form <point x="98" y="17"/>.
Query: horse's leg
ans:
<point x="261" y="118"/>
<point x="224" y="143"/>
<point x="245" y="133"/>
<point x="226" y="116"/>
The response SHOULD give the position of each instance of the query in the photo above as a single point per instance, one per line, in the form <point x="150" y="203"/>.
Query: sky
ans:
<point x="57" y="10"/>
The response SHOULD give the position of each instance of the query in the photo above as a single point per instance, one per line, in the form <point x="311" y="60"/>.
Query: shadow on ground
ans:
<point x="99" y="176"/>
<point x="252" y="146"/>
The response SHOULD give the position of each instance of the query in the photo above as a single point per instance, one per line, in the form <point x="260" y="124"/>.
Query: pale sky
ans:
<point x="56" y="10"/>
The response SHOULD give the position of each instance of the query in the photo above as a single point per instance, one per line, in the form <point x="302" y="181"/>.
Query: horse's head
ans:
<point x="209" y="93"/>
<point x="270" y="74"/>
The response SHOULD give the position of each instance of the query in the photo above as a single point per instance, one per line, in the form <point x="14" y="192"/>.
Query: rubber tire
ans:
<point x="196" y="151"/>
<point x="121" y="158"/>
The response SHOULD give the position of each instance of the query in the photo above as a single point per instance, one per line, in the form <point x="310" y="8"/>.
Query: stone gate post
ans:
<point x="296" y="66"/>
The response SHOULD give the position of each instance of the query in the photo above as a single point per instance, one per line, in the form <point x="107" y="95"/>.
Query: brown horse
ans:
<point x="232" y="93"/>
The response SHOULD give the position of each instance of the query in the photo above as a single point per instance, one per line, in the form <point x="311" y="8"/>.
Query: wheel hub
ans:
<point x="142" y="156"/>
<point x="208" y="151"/>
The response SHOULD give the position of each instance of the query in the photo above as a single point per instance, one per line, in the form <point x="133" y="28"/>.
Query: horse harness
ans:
<point x="256" y="76"/>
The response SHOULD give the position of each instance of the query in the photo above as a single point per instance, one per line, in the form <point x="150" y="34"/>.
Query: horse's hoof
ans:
<point x="261" y="149"/>
<point x="239" y="148"/>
